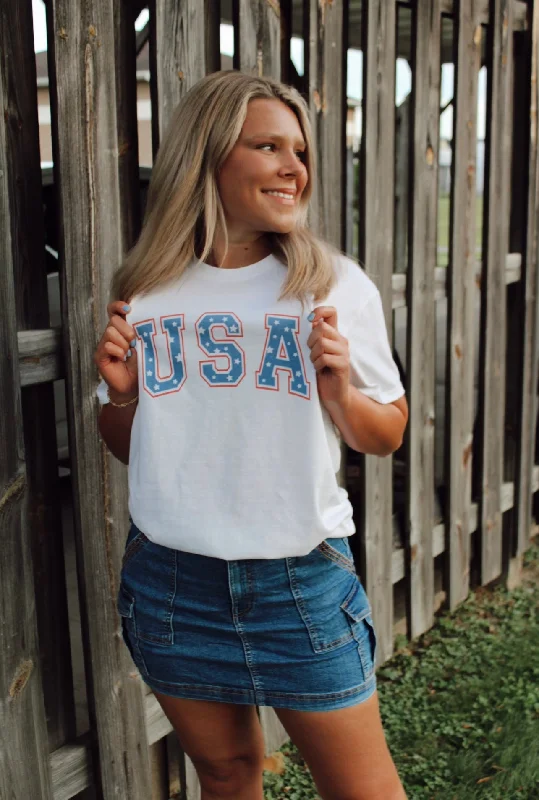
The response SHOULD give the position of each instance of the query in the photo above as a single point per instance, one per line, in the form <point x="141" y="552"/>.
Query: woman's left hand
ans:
<point x="330" y="356"/>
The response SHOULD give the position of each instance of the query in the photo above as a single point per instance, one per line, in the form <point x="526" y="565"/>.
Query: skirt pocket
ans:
<point x="136" y="541"/>
<point x="338" y="550"/>
<point x="363" y="631"/>
<point x="328" y="595"/>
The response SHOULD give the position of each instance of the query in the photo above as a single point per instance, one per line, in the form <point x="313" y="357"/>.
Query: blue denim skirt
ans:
<point x="292" y="632"/>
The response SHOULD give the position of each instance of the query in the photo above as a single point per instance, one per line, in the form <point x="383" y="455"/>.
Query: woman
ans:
<point x="241" y="347"/>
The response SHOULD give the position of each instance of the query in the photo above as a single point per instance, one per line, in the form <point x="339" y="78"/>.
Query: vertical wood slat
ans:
<point x="88" y="139"/>
<point x="325" y="81"/>
<point x="180" y="31"/>
<point x="376" y="252"/>
<point x="528" y="432"/>
<point x="461" y="293"/>
<point x="259" y="23"/>
<point x="38" y="412"/>
<point x="24" y="761"/>
<point x="421" y="321"/>
<point x="530" y="327"/>
<point x="492" y="344"/>
<point x="519" y="113"/>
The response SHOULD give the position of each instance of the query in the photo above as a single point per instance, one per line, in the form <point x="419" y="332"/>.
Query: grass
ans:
<point x="460" y="705"/>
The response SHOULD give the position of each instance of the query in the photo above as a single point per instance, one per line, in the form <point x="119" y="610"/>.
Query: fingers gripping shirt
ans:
<point x="232" y="454"/>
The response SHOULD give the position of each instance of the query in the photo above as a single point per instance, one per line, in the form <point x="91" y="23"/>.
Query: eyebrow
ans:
<point x="273" y="136"/>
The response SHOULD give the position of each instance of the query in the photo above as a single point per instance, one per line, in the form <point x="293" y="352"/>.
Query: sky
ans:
<point x="354" y="78"/>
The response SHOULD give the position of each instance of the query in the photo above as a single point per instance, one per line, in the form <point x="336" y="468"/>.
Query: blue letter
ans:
<point x="169" y="344"/>
<point x="282" y="351"/>
<point x="234" y="371"/>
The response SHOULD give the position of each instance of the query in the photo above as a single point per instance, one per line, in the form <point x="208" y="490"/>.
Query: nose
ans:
<point x="290" y="163"/>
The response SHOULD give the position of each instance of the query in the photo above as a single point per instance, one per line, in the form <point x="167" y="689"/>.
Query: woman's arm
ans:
<point x="115" y="425"/>
<point x="368" y="426"/>
<point x="365" y="424"/>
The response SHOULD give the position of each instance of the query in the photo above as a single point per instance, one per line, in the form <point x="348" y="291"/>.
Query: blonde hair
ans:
<point x="184" y="209"/>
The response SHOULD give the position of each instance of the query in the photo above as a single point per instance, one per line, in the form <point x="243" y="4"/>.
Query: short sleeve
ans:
<point x="372" y="368"/>
<point x="102" y="393"/>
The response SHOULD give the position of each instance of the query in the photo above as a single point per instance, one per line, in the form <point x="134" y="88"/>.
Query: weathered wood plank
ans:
<point x="492" y="339"/>
<point x="24" y="763"/>
<point x="519" y="113"/>
<point x="461" y="293"/>
<point x="177" y="56"/>
<point x="40" y="356"/>
<point x="91" y="126"/>
<point x="421" y="322"/>
<point x="398" y="568"/>
<point x="38" y="412"/>
<point x="530" y="328"/>
<point x="326" y="102"/>
<point x="376" y="252"/>
<point x="274" y="733"/>
<point x="71" y="769"/>
<point x="259" y="24"/>
<point x="519" y="12"/>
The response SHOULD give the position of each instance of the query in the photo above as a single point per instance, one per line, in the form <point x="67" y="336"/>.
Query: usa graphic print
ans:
<point x="175" y="373"/>
<point x="282" y="352"/>
<point x="233" y="372"/>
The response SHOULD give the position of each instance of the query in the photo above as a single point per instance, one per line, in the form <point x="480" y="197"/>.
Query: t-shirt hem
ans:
<point x="385" y="397"/>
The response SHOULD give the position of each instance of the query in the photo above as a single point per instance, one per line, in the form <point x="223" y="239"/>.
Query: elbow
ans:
<point x="388" y="448"/>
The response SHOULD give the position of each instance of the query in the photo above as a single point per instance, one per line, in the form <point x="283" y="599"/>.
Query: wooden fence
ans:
<point x="418" y="547"/>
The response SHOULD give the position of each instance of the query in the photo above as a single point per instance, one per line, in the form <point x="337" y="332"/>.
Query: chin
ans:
<point x="284" y="226"/>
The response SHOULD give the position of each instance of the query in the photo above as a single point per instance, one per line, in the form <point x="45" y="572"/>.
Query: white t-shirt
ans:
<point x="232" y="453"/>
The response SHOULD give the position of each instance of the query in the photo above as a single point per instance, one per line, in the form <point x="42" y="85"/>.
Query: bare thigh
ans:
<point x="346" y="751"/>
<point x="217" y="737"/>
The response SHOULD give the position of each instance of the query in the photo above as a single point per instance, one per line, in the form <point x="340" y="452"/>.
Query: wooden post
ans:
<point x="325" y="75"/>
<point x="24" y="750"/>
<point x="38" y="413"/>
<point x="421" y="338"/>
<point x="530" y="320"/>
<point x="493" y="322"/>
<point x="461" y="293"/>
<point x="376" y="252"/>
<point x="259" y="23"/>
<point x="94" y="138"/>
<point x="180" y="32"/>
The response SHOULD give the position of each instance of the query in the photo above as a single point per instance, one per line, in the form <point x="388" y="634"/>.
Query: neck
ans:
<point x="239" y="253"/>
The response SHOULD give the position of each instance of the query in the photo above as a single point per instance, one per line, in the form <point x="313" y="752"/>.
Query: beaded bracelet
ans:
<point x="123" y="405"/>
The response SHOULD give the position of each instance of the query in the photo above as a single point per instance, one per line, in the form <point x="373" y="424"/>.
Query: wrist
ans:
<point x="121" y="397"/>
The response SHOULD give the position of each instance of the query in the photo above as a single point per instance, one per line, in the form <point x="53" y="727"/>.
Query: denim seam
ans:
<point x="248" y="693"/>
<point x="255" y="678"/>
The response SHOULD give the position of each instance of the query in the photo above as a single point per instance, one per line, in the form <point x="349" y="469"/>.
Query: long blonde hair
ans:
<point x="183" y="207"/>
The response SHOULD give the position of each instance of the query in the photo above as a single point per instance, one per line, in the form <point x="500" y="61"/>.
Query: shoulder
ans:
<point x="353" y="288"/>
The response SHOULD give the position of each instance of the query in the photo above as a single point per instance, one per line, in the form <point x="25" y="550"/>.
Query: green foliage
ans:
<point x="460" y="706"/>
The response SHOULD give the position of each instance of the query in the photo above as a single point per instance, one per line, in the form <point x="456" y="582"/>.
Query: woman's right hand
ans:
<point x="121" y="375"/>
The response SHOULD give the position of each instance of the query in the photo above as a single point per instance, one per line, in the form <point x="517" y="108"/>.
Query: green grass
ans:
<point x="460" y="706"/>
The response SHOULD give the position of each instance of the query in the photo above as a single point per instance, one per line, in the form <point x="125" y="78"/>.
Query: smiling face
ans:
<point x="264" y="176"/>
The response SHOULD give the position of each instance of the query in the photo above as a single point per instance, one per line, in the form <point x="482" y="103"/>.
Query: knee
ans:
<point x="229" y="777"/>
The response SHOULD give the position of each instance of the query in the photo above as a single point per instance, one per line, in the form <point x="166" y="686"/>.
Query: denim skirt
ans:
<point x="292" y="632"/>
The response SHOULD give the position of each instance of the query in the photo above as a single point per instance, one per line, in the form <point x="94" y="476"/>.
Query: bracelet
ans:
<point x="123" y="405"/>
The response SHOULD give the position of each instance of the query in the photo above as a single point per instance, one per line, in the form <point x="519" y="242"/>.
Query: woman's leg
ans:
<point x="225" y="743"/>
<point x="346" y="751"/>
